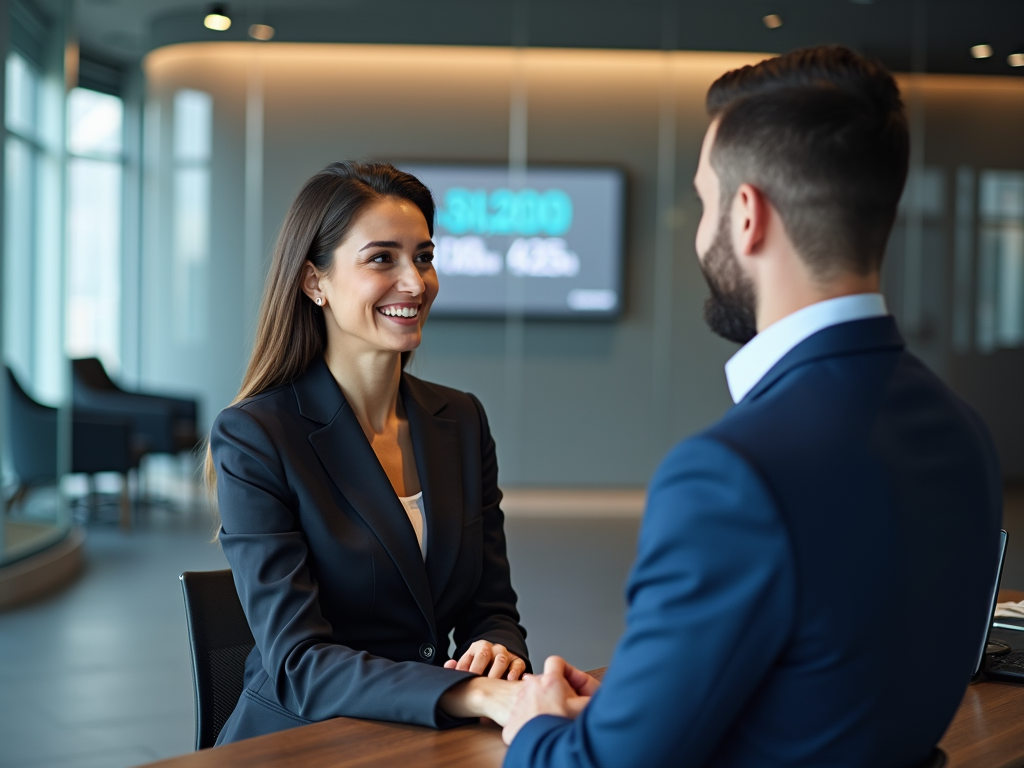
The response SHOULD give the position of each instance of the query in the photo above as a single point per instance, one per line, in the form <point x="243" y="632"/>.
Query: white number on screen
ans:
<point x="541" y="257"/>
<point x="465" y="256"/>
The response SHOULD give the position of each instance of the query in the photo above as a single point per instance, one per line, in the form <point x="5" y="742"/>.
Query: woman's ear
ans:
<point x="310" y="283"/>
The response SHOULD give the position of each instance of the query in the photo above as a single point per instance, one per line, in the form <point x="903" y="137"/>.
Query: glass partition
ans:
<point x="36" y="436"/>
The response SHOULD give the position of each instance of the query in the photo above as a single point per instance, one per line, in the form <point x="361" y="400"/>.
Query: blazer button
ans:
<point x="427" y="651"/>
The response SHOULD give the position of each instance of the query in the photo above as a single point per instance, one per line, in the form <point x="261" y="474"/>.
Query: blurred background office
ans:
<point x="151" y="148"/>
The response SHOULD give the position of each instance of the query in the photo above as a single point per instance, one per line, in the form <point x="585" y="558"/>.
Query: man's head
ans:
<point x="808" y="150"/>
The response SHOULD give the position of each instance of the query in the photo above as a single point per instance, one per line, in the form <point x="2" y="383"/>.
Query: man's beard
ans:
<point x="730" y="310"/>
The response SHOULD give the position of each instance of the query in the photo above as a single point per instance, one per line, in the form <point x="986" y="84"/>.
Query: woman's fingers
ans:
<point x="491" y="659"/>
<point x="516" y="668"/>
<point x="482" y="659"/>
<point x="502" y="659"/>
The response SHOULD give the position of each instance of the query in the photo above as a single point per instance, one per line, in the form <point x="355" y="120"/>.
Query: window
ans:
<point x="23" y="153"/>
<point x="95" y="171"/>
<point x="193" y="140"/>
<point x="1000" y="308"/>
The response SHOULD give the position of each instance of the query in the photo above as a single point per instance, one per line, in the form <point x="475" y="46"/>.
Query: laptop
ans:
<point x="997" y="661"/>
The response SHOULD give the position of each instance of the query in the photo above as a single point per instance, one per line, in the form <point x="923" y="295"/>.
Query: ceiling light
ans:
<point x="1015" y="59"/>
<point x="217" y="19"/>
<point x="981" y="51"/>
<point x="772" y="21"/>
<point x="262" y="32"/>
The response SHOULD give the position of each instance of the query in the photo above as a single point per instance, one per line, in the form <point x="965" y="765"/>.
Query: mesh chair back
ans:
<point x="220" y="641"/>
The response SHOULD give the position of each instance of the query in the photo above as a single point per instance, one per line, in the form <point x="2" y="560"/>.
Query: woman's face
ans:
<point x="382" y="282"/>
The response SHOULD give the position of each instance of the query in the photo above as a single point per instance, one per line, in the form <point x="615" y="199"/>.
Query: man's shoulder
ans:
<point x="829" y="394"/>
<point x="711" y="467"/>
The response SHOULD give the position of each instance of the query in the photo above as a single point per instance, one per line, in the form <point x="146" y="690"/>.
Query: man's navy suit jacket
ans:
<point x="348" y="618"/>
<point x="813" y="575"/>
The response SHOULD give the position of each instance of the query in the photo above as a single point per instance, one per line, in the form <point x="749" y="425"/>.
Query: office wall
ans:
<point x="970" y="125"/>
<point x="570" y="403"/>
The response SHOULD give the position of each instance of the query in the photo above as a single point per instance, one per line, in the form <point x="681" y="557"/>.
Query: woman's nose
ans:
<point x="410" y="280"/>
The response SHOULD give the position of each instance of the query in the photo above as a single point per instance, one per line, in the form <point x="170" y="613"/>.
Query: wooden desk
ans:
<point x="987" y="732"/>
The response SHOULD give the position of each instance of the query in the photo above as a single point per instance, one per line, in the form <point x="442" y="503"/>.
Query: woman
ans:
<point x="359" y="505"/>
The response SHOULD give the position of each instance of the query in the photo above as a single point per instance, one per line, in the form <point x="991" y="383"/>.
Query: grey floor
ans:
<point x="98" y="675"/>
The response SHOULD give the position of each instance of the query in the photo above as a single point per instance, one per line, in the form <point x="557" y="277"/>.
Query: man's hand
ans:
<point x="491" y="659"/>
<point x="562" y="690"/>
<point x="581" y="682"/>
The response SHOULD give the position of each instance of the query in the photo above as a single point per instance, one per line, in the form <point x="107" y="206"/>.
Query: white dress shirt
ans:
<point x="757" y="356"/>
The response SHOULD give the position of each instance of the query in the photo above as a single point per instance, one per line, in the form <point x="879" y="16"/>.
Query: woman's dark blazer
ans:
<point x="348" y="619"/>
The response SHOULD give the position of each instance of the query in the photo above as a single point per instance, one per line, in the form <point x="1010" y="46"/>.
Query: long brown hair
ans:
<point x="291" y="331"/>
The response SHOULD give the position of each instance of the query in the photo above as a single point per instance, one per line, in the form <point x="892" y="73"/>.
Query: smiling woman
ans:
<point x="359" y="506"/>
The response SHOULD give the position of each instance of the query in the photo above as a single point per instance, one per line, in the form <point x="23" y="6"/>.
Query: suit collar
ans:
<point x="317" y="393"/>
<point x="768" y="347"/>
<point x="352" y="465"/>
<point x="871" y="334"/>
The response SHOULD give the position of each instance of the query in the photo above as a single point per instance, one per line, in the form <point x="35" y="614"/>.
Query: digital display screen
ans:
<point x="549" y="247"/>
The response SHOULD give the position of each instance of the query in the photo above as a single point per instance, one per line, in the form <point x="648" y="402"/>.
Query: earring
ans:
<point x="319" y="301"/>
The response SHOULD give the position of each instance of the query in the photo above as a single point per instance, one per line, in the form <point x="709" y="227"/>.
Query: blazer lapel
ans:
<point x="873" y="333"/>
<point x="436" y="443"/>
<point x="351" y="463"/>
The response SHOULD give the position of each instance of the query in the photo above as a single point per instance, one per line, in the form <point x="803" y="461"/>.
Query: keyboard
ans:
<point x="1012" y="663"/>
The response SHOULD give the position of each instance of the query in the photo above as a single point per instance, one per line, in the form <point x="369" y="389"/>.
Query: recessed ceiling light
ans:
<point x="1015" y="59"/>
<point x="217" y="19"/>
<point x="772" y="21"/>
<point x="262" y="32"/>
<point x="981" y="51"/>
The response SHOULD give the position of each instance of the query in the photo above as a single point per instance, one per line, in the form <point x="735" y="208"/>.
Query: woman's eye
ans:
<point x="381" y="258"/>
<point x="425" y="258"/>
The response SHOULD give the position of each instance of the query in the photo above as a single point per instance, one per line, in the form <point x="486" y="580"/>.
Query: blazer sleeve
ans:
<point x="711" y="603"/>
<point x="491" y="613"/>
<point x="268" y="553"/>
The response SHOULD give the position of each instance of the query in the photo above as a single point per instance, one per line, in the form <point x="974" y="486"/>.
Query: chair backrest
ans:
<point x="32" y="435"/>
<point x="937" y="759"/>
<point x="220" y="641"/>
<point x="89" y="372"/>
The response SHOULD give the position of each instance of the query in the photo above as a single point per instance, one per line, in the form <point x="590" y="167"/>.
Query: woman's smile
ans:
<point x="401" y="313"/>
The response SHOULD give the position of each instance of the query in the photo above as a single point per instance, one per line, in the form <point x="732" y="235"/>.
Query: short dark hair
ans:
<point x="823" y="134"/>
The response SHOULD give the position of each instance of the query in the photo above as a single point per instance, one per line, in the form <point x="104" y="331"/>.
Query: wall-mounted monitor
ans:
<point x="549" y="246"/>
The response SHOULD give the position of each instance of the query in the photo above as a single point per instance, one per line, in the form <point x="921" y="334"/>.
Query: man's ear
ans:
<point x="749" y="220"/>
<point x="310" y="281"/>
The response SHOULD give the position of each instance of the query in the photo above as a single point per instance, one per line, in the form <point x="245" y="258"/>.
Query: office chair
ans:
<point x="220" y="641"/>
<point x="161" y="424"/>
<point x="937" y="759"/>
<point x="99" y="443"/>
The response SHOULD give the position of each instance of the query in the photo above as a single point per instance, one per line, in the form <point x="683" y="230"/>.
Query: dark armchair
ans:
<point x="98" y="444"/>
<point x="160" y="424"/>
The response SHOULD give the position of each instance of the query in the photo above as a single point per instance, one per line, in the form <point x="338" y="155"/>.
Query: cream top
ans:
<point x="418" y="517"/>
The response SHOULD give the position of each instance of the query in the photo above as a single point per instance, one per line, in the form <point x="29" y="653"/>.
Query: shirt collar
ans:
<point x="760" y="354"/>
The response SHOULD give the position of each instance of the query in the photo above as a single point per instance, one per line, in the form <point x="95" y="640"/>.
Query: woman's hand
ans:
<point x="490" y="659"/>
<point x="480" y="697"/>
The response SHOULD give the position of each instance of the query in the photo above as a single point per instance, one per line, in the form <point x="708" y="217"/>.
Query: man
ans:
<point x="812" y="574"/>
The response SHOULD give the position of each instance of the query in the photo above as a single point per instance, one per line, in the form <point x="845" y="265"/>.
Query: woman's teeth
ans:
<point x="400" y="311"/>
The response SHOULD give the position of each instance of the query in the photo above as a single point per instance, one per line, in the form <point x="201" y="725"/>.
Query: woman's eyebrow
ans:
<point x="381" y="244"/>
<point x="392" y="244"/>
